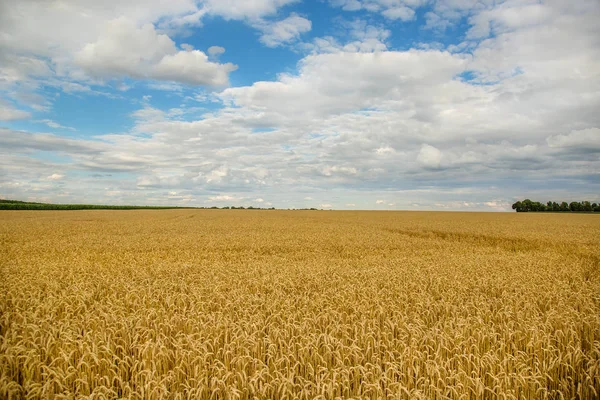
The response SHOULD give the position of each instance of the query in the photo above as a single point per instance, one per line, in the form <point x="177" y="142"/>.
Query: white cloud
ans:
<point x="342" y="82"/>
<point x="498" y="205"/>
<point x="9" y="113"/>
<point x="365" y="37"/>
<point x="522" y="43"/>
<point x="385" y="150"/>
<point x="359" y="35"/>
<point x="72" y="45"/>
<point x="54" y="125"/>
<point x="192" y="67"/>
<point x="73" y="87"/>
<point x="507" y="17"/>
<point x="285" y="31"/>
<point x="585" y="139"/>
<point x="326" y="205"/>
<point x="429" y="157"/>
<point x="222" y="198"/>
<point x="391" y="9"/>
<point x="330" y="170"/>
<point x="401" y="13"/>
<point x="182" y="24"/>
<point x="435" y="22"/>
<point x="447" y="13"/>
<point x="30" y="25"/>
<point x="242" y="9"/>
<point x="55" y="177"/>
<point x="380" y="202"/>
<point x="15" y="69"/>
<point x="126" y="50"/>
<point x="215" y="51"/>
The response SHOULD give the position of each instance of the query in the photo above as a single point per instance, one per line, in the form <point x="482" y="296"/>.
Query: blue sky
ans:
<point x="345" y="104"/>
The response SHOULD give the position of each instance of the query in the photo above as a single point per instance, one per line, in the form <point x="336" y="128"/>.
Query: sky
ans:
<point x="341" y="104"/>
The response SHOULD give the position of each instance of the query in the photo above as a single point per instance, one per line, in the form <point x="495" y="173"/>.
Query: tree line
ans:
<point x="25" y="205"/>
<point x="552" y="206"/>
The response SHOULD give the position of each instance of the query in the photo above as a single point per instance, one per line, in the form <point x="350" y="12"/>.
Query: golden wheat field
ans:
<point x="241" y="304"/>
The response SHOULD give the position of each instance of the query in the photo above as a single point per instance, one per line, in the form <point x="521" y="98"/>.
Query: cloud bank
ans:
<point x="507" y="109"/>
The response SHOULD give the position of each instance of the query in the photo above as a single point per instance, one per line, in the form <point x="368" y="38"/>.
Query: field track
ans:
<point x="245" y="304"/>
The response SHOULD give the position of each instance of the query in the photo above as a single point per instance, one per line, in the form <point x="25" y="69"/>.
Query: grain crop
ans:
<point x="241" y="304"/>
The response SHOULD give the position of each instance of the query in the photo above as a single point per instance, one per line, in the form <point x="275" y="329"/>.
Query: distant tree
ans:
<point x="551" y="206"/>
<point x="535" y="206"/>
<point x="518" y="206"/>
<point x="575" y="206"/>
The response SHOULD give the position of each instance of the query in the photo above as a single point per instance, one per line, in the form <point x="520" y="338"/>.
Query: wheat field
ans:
<point x="241" y="304"/>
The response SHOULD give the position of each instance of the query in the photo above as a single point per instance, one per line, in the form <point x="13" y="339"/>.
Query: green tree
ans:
<point x="551" y="206"/>
<point x="537" y="206"/>
<point x="518" y="206"/>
